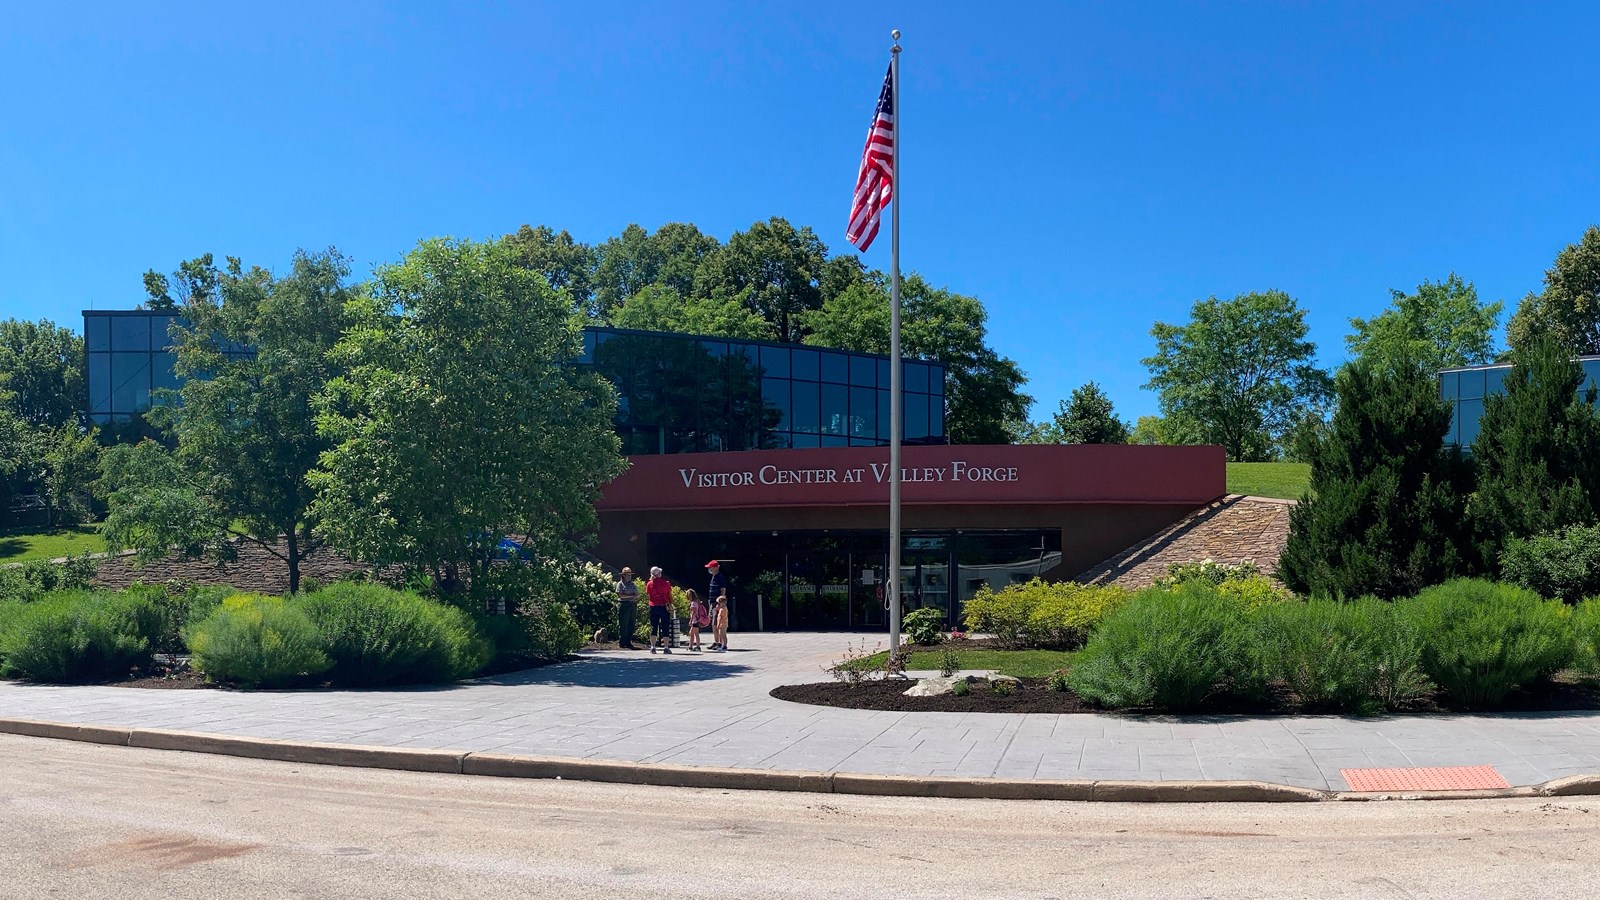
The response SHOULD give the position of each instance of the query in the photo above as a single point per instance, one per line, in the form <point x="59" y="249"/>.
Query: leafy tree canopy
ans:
<point x="1568" y="309"/>
<point x="1441" y="326"/>
<point x="1238" y="372"/>
<point x="245" y="429"/>
<point x="774" y="269"/>
<point x="660" y="308"/>
<point x="41" y="366"/>
<point x="459" y="420"/>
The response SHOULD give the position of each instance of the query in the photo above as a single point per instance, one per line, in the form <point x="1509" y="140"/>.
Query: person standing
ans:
<point x="699" y="617"/>
<point x="717" y="596"/>
<point x="627" y="602"/>
<point x="658" y="593"/>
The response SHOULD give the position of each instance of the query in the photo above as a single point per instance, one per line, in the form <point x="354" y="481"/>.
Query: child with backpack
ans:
<point x="699" y="617"/>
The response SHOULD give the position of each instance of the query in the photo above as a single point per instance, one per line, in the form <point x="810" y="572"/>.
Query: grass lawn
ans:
<point x="21" y="545"/>
<point x="1285" y="480"/>
<point x="1016" y="663"/>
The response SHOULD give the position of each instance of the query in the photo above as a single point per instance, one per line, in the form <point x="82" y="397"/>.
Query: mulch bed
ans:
<point x="1033" y="695"/>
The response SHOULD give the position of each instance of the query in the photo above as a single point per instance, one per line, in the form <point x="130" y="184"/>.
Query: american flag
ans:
<point x="875" y="183"/>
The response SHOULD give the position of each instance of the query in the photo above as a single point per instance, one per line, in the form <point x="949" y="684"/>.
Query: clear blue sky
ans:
<point x="1085" y="169"/>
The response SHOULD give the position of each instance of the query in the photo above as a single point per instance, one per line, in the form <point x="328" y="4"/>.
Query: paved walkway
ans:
<point x="713" y="710"/>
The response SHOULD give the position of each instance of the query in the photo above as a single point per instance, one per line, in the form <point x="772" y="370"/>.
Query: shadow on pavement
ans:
<point x="621" y="672"/>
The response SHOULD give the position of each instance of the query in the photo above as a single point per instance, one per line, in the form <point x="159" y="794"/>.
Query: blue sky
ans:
<point x="1085" y="169"/>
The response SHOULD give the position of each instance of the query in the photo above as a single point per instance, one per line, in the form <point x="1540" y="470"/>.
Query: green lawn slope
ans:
<point x="1284" y="480"/>
<point x="22" y="545"/>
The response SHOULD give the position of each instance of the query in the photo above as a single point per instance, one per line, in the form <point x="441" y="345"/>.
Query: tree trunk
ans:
<point x="293" y="538"/>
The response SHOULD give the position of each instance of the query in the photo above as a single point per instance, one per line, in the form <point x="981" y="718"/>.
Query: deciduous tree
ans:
<point x="1441" y="326"/>
<point x="1238" y="372"/>
<point x="1568" y="309"/>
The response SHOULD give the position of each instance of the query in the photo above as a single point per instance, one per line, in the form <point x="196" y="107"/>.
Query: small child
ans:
<point x="699" y="617"/>
<point x="719" y="632"/>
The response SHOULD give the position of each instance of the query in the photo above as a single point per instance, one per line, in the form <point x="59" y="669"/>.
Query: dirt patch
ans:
<point x="1033" y="695"/>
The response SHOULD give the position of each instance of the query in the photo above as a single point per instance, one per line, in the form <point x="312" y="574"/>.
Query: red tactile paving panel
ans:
<point x="1440" y="778"/>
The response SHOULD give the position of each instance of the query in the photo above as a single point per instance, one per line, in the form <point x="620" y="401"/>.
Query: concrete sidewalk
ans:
<point x="713" y="710"/>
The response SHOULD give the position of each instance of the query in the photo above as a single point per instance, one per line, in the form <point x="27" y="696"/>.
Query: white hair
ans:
<point x="655" y="571"/>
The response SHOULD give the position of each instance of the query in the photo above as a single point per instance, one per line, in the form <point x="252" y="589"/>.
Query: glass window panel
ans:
<point x="96" y="333"/>
<point x="99" y="383"/>
<point x="936" y="380"/>
<point x="161" y="332"/>
<point x="835" y="367"/>
<point x="804" y="440"/>
<point x="587" y="354"/>
<point x="1450" y="385"/>
<point x="1591" y="367"/>
<point x="835" y="440"/>
<point x="805" y="364"/>
<point x="130" y="381"/>
<point x="805" y="415"/>
<point x="130" y="333"/>
<point x="161" y="374"/>
<point x="835" y="409"/>
<point x="883" y="374"/>
<point x="1494" y="381"/>
<point x="935" y="416"/>
<point x="863" y="371"/>
<point x="775" y="361"/>
<point x="775" y="401"/>
<point x="717" y="349"/>
<point x="916" y="411"/>
<point x="1453" y="436"/>
<point x="1471" y="411"/>
<point x="916" y="377"/>
<point x="1472" y="384"/>
<point x="863" y="412"/>
<point x="100" y="418"/>
<point x="864" y="442"/>
<point x="883" y="417"/>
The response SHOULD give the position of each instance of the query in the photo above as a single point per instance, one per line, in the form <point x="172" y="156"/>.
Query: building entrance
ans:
<point x="837" y="580"/>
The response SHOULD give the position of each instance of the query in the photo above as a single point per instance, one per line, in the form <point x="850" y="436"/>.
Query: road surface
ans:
<point x="81" y="820"/>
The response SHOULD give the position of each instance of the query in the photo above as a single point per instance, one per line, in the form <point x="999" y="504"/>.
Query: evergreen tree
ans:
<point x="1538" y="450"/>
<point x="1085" y="418"/>
<point x="1386" y="499"/>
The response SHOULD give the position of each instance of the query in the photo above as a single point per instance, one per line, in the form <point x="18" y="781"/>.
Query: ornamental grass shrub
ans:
<point x="257" y="641"/>
<point x="1173" y="648"/>
<point x="1041" y="613"/>
<point x="1483" y="640"/>
<point x="1586" y="629"/>
<point x="76" y="636"/>
<point x="1356" y="656"/>
<point x="377" y="635"/>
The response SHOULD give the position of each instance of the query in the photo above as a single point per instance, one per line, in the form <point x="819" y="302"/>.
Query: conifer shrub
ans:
<point x="1586" y="628"/>
<point x="1483" y="640"/>
<point x="257" y="641"/>
<point x="1356" y="656"/>
<point x="1562" y="565"/>
<point x="377" y="635"/>
<point x="76" y="636"/>
<point x="1168" y="648"/>
<point x="1385" y="508"/>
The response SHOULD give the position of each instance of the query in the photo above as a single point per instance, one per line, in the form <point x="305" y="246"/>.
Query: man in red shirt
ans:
<point x="658" y="593"/>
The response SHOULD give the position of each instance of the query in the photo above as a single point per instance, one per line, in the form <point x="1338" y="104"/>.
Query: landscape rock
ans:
<point x="933" y="687"/>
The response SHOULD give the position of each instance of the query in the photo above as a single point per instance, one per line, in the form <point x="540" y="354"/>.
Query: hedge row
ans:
<point x="1474" y="642"/>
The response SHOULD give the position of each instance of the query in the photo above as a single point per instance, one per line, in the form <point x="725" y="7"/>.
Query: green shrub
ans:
<point x="1354" y="656"/>
<point x="1208" y="570"/>
<point x="377" y="635"/>
<point x="1041" y="613"/>
<point x="1255" y="592"/>
<point x="961" y="688"/>
<point x="31" y="580"/>
<point x="949" y="662"/>
<point x="1482" y="640"/>
<point x="1586" y="627"/>
<point x="1562" y="565"/>
<point x="257" y="641"/>
<point x="924" y="626"/>
<point x="1002" y="687"/>
<point x="1057" y="681"/>
<point x="1172" y="648"/>
<point x="76" y="636"/>
<point x="553" y="632"/>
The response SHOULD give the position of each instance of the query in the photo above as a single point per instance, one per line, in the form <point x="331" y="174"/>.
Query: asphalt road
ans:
<point x="80" y="820"/>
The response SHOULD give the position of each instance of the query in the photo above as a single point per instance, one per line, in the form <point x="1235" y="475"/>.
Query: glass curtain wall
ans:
<point x="1467" y="388"/>
<point x="683" y="394"/>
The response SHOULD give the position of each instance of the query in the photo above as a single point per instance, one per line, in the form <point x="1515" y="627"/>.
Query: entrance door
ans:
<point x="819" y="584"/>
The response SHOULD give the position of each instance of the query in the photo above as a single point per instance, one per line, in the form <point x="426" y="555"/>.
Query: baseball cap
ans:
<point x="713" y="563"/>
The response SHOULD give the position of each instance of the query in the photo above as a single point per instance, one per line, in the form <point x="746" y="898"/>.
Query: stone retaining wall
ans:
<point x="1234" y="529"/>
<point x="255" y="569"/>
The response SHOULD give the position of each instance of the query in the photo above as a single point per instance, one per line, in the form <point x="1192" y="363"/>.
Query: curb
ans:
<point x="498" y="765"/>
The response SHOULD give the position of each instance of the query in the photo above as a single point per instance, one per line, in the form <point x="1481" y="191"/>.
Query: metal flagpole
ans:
<point x="895" y="364"/>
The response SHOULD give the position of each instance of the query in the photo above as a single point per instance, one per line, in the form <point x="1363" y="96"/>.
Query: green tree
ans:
<point x="41" y="364"/>
<point x="1568" y="308"/>
<point x="1153" y="430"/>
<point x="1441" y="326"/>
<point x="637" y="259"/>
<point x="659" y="308"/>
<point x="60" y="463"/>
<point x="1087" y="418"/>
<point x="245" y="429"/>
<point x="460" y="419"/>
<point x="1538" y="450"/>
<point x="774" y="269"/>
<point x="1238" y="372"/>
<point x="565" y="263"/>
<point x="984" y="399"/>
<point x="195" y="281"/>
<point x="153" y="506"/>
<point x="1385" y="509"/>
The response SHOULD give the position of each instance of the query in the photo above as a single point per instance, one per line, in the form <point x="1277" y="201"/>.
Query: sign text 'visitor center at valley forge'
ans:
<point x="774" y="458"/>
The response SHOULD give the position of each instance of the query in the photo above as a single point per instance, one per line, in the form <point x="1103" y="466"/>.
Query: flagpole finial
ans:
<point x="896" y="35"/>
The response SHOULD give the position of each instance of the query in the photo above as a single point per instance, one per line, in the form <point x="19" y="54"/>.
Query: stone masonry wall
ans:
<point x="255" y="569"/>
<point x="1234" y="529"/>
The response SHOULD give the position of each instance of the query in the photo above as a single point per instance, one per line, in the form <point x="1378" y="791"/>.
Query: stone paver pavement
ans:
<point x="714" y="710"/>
